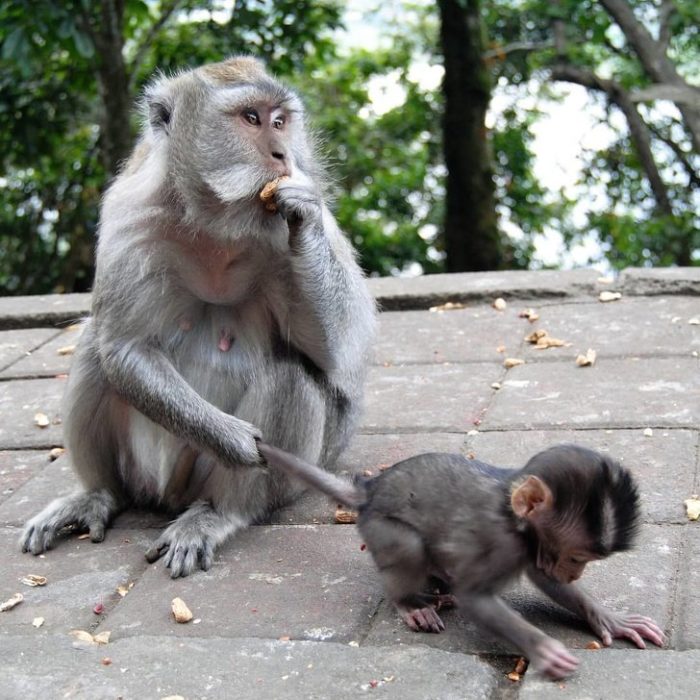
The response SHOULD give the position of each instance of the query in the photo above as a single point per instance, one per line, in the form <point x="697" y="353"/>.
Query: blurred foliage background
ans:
<point x="375" y="77"/>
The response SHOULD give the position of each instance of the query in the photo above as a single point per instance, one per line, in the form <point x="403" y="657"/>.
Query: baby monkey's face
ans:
<point x="570" y="565"/>
<point x="564" y="559"/>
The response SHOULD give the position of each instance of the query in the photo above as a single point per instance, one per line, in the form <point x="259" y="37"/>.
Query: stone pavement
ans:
<point x="294" y="609"/>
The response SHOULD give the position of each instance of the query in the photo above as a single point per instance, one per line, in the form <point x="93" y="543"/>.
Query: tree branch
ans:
<point x="166" y="12"/>
<point x="653" y="58"/>
<point x="655" y="63"/>
<point x="559" y="31"/>
<point x="666" y="12"/>
<point x="500" y="52"/>
<point x="681" y="155"/>
<point x="680" y="94"/>
<point x="639" y="133"/>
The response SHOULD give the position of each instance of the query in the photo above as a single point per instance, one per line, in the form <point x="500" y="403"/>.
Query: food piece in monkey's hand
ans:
<point x="471" y="529"/>
<point x="267" y="193"/>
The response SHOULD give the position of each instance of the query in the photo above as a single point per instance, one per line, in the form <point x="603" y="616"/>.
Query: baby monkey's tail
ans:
<point x="338" y="488"/>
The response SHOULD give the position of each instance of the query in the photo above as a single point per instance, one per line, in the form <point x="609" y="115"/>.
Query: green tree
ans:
<point x="472" y="238"/>
<point x="70" y="73"/>
<point x="630" y="55"/>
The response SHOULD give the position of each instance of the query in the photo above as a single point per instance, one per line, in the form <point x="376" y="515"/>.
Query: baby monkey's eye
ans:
<point x="252" y="117"/>
<point x="279" y="121"/>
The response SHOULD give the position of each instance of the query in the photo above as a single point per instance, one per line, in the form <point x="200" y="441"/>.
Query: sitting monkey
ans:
<point x="216" y="318"/>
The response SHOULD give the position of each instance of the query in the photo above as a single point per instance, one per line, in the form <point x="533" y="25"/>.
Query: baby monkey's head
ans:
<point x="578" y="506"/>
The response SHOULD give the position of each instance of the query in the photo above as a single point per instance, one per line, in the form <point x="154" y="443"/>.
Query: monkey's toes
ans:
<point x="38" y="539"/>
<point x="422" y="619"/>
<point x="97" y="531"/>
<point x="182" y="560"/>
<point x="156" y="551"/>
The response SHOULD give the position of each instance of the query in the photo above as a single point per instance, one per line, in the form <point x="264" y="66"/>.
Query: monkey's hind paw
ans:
<point x="90" y="511"/>
<point x="182" y="551"/>
<point x="421" y="619"/>
<point x="192" y="539"/>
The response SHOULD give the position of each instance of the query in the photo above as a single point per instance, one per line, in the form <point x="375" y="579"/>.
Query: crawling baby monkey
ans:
<point x="473" y="528"/>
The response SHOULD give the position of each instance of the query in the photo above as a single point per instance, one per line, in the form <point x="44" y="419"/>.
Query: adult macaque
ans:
<point x="473" y="528"/>
<point x="215" y="320"/>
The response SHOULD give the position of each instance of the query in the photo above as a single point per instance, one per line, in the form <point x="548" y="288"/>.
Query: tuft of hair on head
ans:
<point x="595" y="490"/>
<point x="237" y="69"/>
<point x="620" y="508"/>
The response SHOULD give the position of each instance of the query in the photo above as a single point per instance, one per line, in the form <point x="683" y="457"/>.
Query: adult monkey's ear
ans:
<point x="159" y="114"/>
<point x="531" y="498"/>
<point x="159" y="104"/>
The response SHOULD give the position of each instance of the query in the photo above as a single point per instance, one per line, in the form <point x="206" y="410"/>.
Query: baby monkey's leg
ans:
<point x="399" y="553"/>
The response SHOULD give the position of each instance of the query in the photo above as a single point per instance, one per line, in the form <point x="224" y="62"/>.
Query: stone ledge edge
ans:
<point x="401" y="293"/>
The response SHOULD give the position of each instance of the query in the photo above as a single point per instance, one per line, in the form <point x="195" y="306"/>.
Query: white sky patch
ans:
<point x="427" y="76"/>
<point x="221" y="13"/>
<point x="567" y="127"/>
<point x="385" y="93"/>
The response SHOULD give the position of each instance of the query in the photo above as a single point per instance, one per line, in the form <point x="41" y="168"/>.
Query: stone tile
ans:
<point x="80" y="574"/>
<point x="367" y="454"/>
<point x="643" y="675"/>
<point x="668" y="280"/>
<point x="20" y="401"/>
<point x="305" y="582"/>
<point x="47" y="361"/>
<point x="461" y="335"/>
<point x="664" y="463"/>
<point x="625" y="328"/>
<point x="18" y="467"/>
<point x="51" y="481"/>
<point x="43" y="310"/>
<point x="14" y="345"/>
<point x="376" y="452"/>
<point x="687" y="623"/>
<point x="620" y="393"/>
<point x="55" y="479"/>
<point x="245" y="669"/>
<point x="639" y="581"/>
<point x="444" y="398"/>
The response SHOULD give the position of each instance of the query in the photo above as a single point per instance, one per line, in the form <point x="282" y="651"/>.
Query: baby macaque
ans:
<point x="474" y="528"/>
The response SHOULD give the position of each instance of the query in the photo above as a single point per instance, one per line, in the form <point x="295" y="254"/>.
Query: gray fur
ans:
<point x="215" y="322"/>
<point x="442" y="520"/>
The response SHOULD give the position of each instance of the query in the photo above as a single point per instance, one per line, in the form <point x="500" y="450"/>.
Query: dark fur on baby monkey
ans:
<point x="475" y="527"/>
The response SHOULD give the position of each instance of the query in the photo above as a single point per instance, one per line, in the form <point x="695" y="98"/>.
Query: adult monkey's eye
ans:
<point x="251" y="116"/>
<point x="279" y="121"/>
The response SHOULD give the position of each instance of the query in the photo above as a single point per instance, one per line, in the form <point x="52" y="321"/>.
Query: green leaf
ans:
<point x="83" y="43"/>
<point x="15" y="45"/>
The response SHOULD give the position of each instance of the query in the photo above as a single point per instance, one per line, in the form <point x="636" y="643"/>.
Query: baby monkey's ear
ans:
<point x="531" y="498"/>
